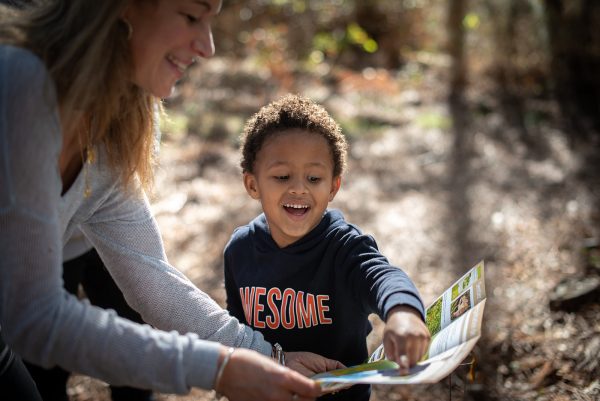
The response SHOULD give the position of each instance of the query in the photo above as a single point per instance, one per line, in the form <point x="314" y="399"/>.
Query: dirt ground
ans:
<point x="440" y="186"/>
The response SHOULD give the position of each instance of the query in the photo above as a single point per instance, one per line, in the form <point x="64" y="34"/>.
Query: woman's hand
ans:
<point x="249" y="376"/>
<point x="310" y="364"/>
<point x="405" y="337"/>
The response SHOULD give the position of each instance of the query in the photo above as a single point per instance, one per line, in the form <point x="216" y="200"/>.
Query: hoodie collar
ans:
<point x="262" y="235"/>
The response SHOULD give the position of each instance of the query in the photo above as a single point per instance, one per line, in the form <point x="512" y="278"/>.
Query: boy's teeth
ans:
<point x="296" y="206"/>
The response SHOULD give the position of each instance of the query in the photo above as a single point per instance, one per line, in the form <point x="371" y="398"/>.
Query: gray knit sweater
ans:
<point x="38" y="318"/>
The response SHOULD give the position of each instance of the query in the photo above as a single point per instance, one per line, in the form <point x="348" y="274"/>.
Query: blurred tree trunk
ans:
<point x="456" y="44"/>
<point x="459" y="173"/>
<point x="506" y="72"/>
<point x="505" y="15"/>
<point x="574" y="40"/>
<point x="389" y="31"/>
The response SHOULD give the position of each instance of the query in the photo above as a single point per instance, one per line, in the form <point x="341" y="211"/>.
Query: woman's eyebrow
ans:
<point x="205" y="4"/>
<point x="208" y="5"/>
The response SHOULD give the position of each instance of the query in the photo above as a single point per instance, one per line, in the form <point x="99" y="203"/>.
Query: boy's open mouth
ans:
<point x="296" y="210"/>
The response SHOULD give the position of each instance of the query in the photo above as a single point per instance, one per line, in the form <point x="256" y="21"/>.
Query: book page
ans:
<point x="454" y="320"/>
<point x="457" y="299"/>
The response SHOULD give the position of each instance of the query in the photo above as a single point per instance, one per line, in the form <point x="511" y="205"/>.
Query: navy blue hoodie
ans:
<point x="315" y="294"/>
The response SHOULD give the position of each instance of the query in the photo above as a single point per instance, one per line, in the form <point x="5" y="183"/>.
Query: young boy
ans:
<point x="300" y="273"/>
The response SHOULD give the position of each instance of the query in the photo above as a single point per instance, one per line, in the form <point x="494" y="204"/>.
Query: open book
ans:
<point x="454" y="321"/>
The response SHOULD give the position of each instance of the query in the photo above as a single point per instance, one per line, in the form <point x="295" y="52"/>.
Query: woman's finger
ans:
<point x="302" y="386"/>
<point x="296" y="397"/>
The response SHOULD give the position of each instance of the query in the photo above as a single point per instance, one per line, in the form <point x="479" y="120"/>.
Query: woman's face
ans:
<point x="168" y="36"/>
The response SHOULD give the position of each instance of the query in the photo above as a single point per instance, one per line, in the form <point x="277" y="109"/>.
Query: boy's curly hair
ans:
<point x="292" y="112"/>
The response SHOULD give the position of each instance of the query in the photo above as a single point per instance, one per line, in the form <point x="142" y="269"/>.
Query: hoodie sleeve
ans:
<point x="376" y="284"/>
<point x="234" y="302"/>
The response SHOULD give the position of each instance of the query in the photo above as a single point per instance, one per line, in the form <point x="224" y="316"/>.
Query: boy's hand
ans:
<point x="405" y="337"/>
<point x="309" y="364"/>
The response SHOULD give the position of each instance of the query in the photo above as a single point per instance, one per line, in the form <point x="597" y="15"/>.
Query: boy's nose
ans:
<point x="297" y="187"/>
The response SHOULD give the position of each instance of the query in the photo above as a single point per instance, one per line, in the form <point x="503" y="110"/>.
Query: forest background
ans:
<point x="474" y="129"/>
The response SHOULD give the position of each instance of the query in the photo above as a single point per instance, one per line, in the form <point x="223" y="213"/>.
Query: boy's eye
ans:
<point x="313" y="179"/>
<point x="282" y="177"/>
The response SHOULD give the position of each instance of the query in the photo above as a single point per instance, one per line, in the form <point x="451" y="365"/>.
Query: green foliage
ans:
<point x="360" y="127"/>
<point x="174" y="124"/>
<point x="434" y="120"/>
<point x="344" y="32"/>
<point x="433" y="318"/>
<point x="358" y="36"/>
<point x="454" y="292"/>
<point x="465" y="282"/>
<point x="331" y="43"/>
<point x="216" y="126"/>
<point x="471" y="21"/>
<point x="327" y="43"/>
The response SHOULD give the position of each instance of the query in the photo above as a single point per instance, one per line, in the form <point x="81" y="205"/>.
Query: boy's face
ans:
<point x="293" y="180"/>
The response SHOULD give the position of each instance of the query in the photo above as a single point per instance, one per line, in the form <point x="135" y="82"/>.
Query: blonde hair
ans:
<point x="84" y="45"/>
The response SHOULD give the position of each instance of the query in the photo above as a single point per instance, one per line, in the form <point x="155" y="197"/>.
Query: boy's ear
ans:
<point x="335" y="187"/>
<point x="251" y="185"/>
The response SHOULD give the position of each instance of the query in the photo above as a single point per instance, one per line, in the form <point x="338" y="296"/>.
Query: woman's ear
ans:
<point x="335" y="187"/>
<point x="251" y="185"/>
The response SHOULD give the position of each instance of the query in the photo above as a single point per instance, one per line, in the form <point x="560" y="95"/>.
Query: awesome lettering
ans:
<point x="289" y="309"/>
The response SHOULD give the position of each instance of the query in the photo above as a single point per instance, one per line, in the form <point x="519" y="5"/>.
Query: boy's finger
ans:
<point x="413" y="352"/>
<point x="332" y="364"/>
<point x="390" y="349"/>
<point x="424" y="347"/>
<point x="404" y="363"/>
<point x="402" y="356"/>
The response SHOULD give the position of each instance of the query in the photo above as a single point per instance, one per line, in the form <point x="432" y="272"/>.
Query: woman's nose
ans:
<point x="203" y="45"/>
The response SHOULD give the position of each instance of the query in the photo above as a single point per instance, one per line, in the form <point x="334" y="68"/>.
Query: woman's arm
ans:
<point x="39" y="320"/>
<point x="47" y="326"/>
<point x="128" y="240"/>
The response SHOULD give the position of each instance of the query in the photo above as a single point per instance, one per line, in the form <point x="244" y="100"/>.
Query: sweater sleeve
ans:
<point x="127" y="238"/>
<point x="39" y="320"/>
<point x="375" y="283"/>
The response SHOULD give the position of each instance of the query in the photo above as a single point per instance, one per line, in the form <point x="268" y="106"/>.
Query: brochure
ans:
<point x="454" y="320"/>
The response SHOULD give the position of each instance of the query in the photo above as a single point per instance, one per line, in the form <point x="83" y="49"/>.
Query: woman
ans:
<point x="78" y="84"/>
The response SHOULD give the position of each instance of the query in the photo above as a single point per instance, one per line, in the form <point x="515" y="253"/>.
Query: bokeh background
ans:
<point x="475" y="135"/>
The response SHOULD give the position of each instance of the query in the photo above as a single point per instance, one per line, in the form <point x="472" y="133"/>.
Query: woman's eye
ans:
<point x="190" y="18"/>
